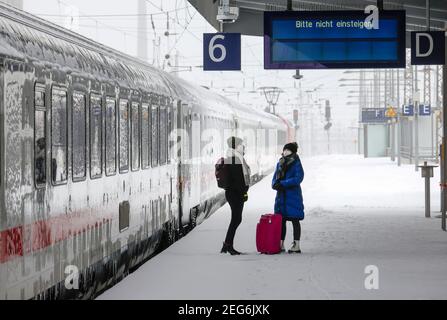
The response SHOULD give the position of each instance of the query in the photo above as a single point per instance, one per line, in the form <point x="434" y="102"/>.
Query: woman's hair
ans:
<point x="234" y="142"/>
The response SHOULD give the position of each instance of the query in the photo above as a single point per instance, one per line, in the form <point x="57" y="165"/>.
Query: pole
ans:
<point x="393" y="139"/>
<point x="416" y="120"/>
<point x="142" y="45"/>
<point x="441" y="173"/>
<point x="427" y="194"/>
<point x="399" y="160"/>
<point x="365" y="139"/>
<point x="398" y="119"/>
<point x="444" y="142"/>
<point x="312" y="135"/>
<point x="416" y="136"/>
<point x="438" y="105"/>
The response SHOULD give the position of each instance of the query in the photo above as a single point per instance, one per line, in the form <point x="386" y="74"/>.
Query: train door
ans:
<point x="196" y="160"/>
<point x="173" y="161"/>
<point x="184" y="127"/>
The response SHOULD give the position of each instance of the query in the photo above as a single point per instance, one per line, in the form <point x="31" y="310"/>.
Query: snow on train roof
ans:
<point x="224" y="105"/>
<point x="34" y="40"/>
<point x="29" y="38"/>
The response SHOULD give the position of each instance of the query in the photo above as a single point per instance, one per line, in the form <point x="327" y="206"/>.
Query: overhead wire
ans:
<point x="110" y="15"/>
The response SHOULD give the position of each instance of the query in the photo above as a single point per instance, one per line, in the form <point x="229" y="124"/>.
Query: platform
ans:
<point x="359" y="212"/>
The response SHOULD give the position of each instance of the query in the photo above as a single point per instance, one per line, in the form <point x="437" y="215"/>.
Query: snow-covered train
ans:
<point x="99" y="160"/>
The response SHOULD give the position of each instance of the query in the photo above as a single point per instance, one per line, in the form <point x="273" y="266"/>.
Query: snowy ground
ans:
<point x="359" y="212"/>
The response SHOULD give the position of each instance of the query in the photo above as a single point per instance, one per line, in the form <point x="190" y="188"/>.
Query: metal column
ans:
<point x="399" y="142"/>
<point x="416" y="119"/>
<point x="427" y="196"/>
<point x="444" y="143"/>
<point x="142" y="44"/>
<point x="416" y="137"/>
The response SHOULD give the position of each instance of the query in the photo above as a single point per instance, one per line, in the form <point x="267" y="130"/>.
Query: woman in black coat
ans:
<point x="236" y="192"/>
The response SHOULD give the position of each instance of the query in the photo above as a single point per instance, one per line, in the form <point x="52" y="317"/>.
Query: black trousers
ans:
<point x="236" y="201"/>
<point x="296" y="228"/>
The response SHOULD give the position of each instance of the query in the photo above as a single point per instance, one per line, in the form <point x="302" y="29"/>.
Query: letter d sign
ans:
<point x="428" y="48"/>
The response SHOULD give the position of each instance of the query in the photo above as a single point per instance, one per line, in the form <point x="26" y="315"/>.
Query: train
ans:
<point x="105" y="160"/>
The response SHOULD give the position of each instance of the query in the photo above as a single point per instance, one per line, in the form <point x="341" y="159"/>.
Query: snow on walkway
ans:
<point x="359" y="212"/>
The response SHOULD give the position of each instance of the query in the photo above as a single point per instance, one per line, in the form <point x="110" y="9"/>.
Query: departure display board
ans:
<point x="333" y="40"/>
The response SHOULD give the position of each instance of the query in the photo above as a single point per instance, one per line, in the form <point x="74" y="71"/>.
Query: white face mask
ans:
<point x="286" y="153"/>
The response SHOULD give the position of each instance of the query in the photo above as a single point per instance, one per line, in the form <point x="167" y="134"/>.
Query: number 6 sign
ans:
<point x="221" y="51"/>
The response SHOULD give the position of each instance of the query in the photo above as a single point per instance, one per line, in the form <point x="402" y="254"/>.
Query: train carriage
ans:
<point x="102" y="159"/>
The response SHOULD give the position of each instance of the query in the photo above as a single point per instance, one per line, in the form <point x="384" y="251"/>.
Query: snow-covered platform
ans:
<point x="359" y="212"/>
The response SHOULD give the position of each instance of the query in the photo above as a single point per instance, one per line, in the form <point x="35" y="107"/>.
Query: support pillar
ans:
<point x="444" y="143"/>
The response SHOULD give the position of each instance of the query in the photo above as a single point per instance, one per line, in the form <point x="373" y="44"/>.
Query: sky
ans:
<point x="113" y="23"/>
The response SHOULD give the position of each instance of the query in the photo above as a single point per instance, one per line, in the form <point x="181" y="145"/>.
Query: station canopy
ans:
<point x="251" y="12"/>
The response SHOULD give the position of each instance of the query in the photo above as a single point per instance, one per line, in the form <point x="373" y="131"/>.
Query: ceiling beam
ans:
<point x="251" y="12"/>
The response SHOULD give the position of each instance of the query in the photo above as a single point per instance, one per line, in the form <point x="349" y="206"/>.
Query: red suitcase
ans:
<point x="268" y="234"/>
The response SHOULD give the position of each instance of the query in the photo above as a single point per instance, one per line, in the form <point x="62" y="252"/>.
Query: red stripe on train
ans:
<point x="21" y="240"/>
<point x="11" y="243"/>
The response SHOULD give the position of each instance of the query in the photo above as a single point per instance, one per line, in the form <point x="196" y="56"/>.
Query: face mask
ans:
<point x="286" y="153"/>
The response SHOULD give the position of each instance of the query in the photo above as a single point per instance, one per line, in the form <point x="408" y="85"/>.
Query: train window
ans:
<point x="39" y="139"/>
<point x="154" y="135"/>
<point x="163" y="135"/>
<point x="124" y="135"/>
<point x="110" y="136"/>
<point x="135" y="133"/>
<point x="95" y="137"/>
<point x="39" y="99"/>
<point x="59" y="135"/>
<point x="79" y="136"/>
<point x="145" y="141"/>
<point x="170" y="122"/>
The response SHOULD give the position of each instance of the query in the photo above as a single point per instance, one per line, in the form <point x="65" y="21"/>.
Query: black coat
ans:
<point x="236" y="177"/>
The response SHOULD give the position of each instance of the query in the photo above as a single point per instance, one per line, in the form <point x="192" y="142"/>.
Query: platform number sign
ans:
<point x="221" y="51"/>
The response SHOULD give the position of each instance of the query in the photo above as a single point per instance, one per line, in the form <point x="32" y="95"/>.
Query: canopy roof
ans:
<point x="251" y="12"/>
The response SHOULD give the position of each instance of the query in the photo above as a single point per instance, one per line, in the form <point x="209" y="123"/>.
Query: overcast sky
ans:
<point x="186" y="27"/>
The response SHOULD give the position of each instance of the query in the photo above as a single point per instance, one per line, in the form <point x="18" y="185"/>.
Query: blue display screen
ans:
<point x="335" y="39"/>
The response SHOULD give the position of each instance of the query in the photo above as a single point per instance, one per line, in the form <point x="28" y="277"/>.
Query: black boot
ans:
<point x="228" y="248"/>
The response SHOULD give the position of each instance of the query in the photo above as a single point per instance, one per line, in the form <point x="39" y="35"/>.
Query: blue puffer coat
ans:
<point x="289" y="202"/>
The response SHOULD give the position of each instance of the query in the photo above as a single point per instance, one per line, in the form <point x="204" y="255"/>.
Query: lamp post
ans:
<point x="272" y="96"/>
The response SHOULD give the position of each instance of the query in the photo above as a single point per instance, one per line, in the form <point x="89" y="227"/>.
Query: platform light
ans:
<point x="227" y="14"/>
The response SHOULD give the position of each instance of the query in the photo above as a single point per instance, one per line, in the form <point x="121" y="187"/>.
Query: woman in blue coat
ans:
<point x="286" y="181"/>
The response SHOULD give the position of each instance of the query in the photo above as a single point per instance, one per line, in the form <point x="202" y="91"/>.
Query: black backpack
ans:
<point x="222" y="174"/>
